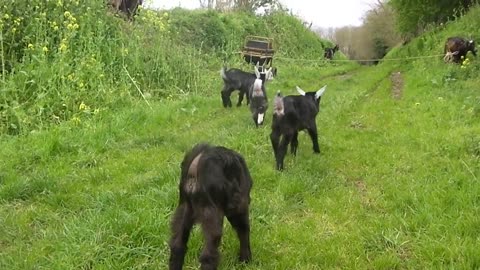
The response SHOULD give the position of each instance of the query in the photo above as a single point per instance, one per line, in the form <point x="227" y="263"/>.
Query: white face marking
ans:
<point x="257" y="88"/>
<point x="260" y="118"/>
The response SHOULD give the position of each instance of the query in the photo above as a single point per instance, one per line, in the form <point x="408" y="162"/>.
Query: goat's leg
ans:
<point x="241" y="94"/>
<point x="226" y="92"/>
<point x="294" y="144"/>
<point x="282" y="150"/>
<point x="181" y="226"/>
<point x="312" y="131"/>
<point x="275" y="139"/>
<point x="241" y="225"/>
<point x="212" y="225"/>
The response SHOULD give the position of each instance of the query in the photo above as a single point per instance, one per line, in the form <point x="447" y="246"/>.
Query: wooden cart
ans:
<point x="258" y="50"/>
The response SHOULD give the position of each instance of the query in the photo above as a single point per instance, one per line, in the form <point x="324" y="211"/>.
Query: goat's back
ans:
<point x="238" y="78"/>
<point x="298" y="113"/>
<point x="222" y="178"/>
<point x="454" y="44"/>
<point x="304" y="106"/>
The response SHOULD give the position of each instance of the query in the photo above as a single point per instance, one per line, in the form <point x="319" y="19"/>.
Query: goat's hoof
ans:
<point x="245" y="259"/>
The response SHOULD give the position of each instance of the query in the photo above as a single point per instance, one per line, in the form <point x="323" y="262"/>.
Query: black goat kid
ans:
<point x="330" y="52"/>
<point x="292" y="114"/>
<point x="253" y="85"/>
<point x="215" y="182"/>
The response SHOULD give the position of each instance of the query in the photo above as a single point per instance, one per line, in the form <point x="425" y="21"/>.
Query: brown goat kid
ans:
<point x="128" y="7"/>
<point x="215" y="182"/>
<point x="456" y="49"/>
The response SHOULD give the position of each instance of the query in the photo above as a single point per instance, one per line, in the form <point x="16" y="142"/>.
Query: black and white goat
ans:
<point x="292" y="114"/>
<point x="215" y="182"/>
<point x="253" y="85"/>
<point x="330" y="52"/>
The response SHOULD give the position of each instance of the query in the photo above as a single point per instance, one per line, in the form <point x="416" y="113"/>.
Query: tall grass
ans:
<point x="68" y="60"/>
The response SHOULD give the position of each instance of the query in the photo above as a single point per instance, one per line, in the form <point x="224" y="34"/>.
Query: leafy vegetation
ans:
<point x="414" y="17"/>
<point x="87" y="57"/>
<point x="395" y="187"/>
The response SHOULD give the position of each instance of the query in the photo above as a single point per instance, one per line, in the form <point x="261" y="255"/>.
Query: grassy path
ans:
<point x="395" y="186"/>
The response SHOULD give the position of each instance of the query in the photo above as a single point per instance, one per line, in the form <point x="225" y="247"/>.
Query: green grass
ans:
<point x="395" y="187"/>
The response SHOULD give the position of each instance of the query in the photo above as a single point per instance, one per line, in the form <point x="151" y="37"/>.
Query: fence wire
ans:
<point x="358" y="60"/>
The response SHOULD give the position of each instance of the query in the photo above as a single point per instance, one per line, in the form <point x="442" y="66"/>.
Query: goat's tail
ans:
<point x="278" y="106"/>
<point x="190" y="156"/>
<point x="223" y="73"/>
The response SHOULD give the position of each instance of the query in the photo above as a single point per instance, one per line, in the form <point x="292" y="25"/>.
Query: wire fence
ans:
<point x="359" y="60"/>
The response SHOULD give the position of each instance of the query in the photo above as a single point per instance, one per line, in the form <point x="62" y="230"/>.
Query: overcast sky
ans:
<point x="323" y="13"/>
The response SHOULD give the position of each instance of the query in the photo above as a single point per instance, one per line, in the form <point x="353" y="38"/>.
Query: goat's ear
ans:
<point x="269" y="74"/>
<point x="320" y="92"/>
<point x="300" y="91"/>
<point x="257" y="73"/>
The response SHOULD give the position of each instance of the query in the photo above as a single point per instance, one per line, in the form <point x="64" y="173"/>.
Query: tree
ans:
<point x="372" y="39"/>
<point x="244" y="5"/>
<point x="414" y="16"/>
<point x="210" y="4"/>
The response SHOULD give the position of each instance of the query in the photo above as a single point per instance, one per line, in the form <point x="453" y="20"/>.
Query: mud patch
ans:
<point x="397" y="85"/>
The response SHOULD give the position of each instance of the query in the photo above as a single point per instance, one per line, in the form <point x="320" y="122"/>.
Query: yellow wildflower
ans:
<point x="6" y="16"/>
<point x="45" y="49"/>
<point x="82" y="106"/>
<point x="63" y="46"/>
<point x="55" y="28"/>
<point x="76" y="120"/>
<point x="70" y="77"/>
<point x="30" y="46"/>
